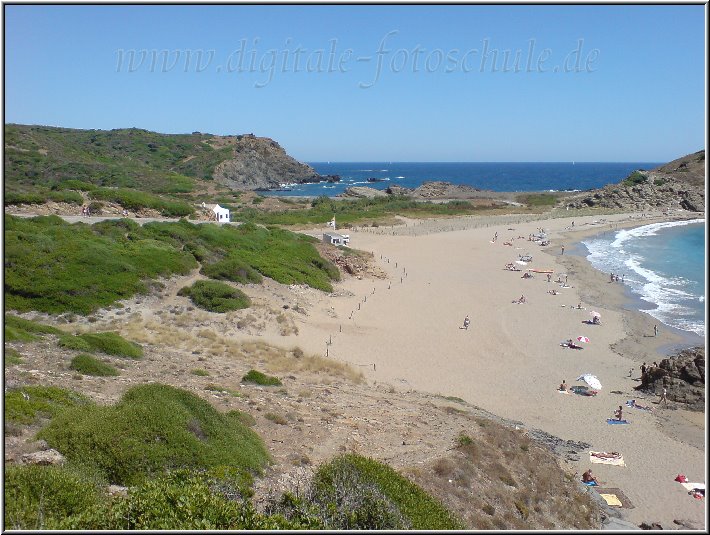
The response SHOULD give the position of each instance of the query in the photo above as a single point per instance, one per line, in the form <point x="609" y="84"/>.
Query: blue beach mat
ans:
<point x="615" y="421"/>
<point x="590" y="483"/>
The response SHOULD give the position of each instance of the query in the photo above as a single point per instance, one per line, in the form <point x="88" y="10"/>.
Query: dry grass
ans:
<point x="492" y="483"/>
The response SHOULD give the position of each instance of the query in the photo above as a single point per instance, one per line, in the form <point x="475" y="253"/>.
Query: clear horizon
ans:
<point x="368" y="83"/>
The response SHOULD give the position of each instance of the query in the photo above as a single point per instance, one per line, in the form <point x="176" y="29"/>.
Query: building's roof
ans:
<point x="333" y="235"/>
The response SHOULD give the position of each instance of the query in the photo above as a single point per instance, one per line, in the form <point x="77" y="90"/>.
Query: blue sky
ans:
<point x="373" y="83"/>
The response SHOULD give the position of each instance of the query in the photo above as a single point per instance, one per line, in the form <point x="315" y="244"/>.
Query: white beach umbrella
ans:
<point x="591" y="380"/>
<point x="583" y="339"/>
<point x="596" y="314"/>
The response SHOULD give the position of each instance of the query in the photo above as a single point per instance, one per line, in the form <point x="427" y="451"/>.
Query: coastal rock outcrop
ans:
<point x="261" y="163"/>
<point x="678" y="185"/>
<point x="362" y="192"/>
<point x="683" y="376"/>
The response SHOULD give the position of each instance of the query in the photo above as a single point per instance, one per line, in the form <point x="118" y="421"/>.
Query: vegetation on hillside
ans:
<point x="215" y="296"/>
<point x="127" y="158"/>
<point x="53" y="266"/>
<point x="152" y="429"/>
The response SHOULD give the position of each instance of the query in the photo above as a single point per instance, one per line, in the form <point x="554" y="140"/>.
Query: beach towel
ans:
<point x="564" y="392"/>
<point x="589" y="483"/>
<point x="615" y="421"/>
<point x="603" y="457"/>
<point x="611" y="499"/>
<point x="615" y="493"/>
<point x="694" y="486"/>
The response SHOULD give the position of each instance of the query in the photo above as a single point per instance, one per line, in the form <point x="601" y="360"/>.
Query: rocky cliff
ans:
<point x="683" y="376"/>
<point x="679" y="184"/>
<point x="260" y="163"/>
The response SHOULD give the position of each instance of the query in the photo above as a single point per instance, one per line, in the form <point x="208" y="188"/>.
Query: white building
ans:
<point x="221" y="214"/>
<point x="336" y="239"/>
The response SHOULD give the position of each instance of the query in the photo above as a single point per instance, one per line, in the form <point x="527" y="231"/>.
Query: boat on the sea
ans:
<point x="373" y="179"/>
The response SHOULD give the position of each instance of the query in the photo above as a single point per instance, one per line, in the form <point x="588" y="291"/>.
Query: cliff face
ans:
<point x="259" y="163"/>
<point x="679" y="184"/>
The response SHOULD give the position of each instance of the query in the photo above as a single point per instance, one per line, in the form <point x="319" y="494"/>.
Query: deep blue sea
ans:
<point x="510" y="176"/>
<point x="663" y="264"/>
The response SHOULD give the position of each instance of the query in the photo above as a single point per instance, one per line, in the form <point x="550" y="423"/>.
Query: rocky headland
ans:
<point x="261" y="163"/>
<point x="679" y="184"/>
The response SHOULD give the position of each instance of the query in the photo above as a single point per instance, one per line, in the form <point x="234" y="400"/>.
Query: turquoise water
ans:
<point x="495" y="176"/>
<point x="663" y="264"/>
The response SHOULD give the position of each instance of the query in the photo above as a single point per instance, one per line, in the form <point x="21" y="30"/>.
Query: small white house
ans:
<point x="336" y="239"/>
<point x="221" y="214"/>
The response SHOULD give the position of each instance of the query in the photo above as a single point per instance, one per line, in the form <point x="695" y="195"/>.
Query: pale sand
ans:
<point x="509" y="361"/>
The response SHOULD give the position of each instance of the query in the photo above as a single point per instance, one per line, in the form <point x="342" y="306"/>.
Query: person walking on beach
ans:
<point x="466" y="323"/>
<point x="664" y="397"/>
<point x="611" y="277"/>
<point x="563" y="249"/>
<point x="549" y="277"/>
<point x="655" y="330"/>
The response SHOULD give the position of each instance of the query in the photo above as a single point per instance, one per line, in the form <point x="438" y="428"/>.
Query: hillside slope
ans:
<point x="43" y="156"/>
<point x="679" y="184"/>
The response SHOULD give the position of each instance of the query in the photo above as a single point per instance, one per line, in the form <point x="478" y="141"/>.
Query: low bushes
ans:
<point x="22" y="330"/>
<point x="152" y="429"/>
<point x="354" y="492"/>
<point x="262" y="379"/>
<point x="135" y="200"/>
<point x="39" y="497"/>
<point x="215" y="296"/>
<point x="112" y="344"/>
<point x="52" y="266"/>
<point x="24" y="405"/>
<point x="89" y="365"/>
<point x="232" y="269"/>
<point x="43" y="497"/>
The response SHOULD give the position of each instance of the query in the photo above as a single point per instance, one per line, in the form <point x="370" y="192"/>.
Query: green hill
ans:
<point x="130" y="158"/>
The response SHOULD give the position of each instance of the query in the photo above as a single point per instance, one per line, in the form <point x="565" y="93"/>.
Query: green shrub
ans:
<point x="152" y="429"/>
<point x="112" y="344"/>
<point x="635" y="178"/>
<point x="13" y="334"/>
<point x="89" y="365"/>
<point x="259" y="378"/>
<point x="233" y="269"/>
<point x="23" y="405"/>
<point x="659" y="181"/>
<point x="22" y="330"/>
<point x="463" y="440"/>
<point x="77" y="185"/>
<point x="242" y="417"/>
<point x="200" y="372"/>
<point x="215" y="296"/>
<point x="538" y="199"/>
<point x="353" y="492"/>
<point x="42" y="497"/>
<point x="69" y="341"/>
<point x="71" y="197"/>
<point x="12" y="357"/>
<point x="23" y="198"/>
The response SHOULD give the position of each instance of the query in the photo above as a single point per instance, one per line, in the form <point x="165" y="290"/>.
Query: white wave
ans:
<point x="650" y="230"/>
<point x="399" y="177"/>
<point x="672" y="299"/>
<point x="383" y="170"/>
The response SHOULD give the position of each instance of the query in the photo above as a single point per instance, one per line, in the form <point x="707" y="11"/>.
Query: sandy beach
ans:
<point x="405" y="331"/>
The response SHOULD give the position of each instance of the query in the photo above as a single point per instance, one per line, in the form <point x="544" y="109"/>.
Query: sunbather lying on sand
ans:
<point x="606" y="454"/>
<point x="553" y="292"/>
<point x="632" y="403"/>
<point x="570" y="343"/>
